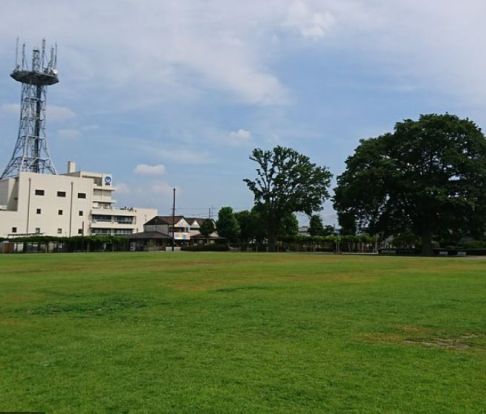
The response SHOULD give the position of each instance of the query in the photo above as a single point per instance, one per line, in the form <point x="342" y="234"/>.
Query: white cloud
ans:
<point x="145" y="169"/>
<point x="69" y="134"/>
<point x="241" y="136"/>
<point x="229" y="47"/>
<point x="210" y="45"/>
<point x="310" y="24"/>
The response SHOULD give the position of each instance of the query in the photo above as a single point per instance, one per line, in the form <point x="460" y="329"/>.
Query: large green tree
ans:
<point x="316" y="228"/>
<point x="251" y="226"/>
<point x="247" y="225"/>
<point x="207" y="227"/>
<point x="287" y="182"/>
<point x="290" y="226"/>
<point x="427" y="176"/>
<point x="227" y="224"/>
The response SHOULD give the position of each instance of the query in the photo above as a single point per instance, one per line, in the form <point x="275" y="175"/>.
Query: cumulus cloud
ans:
<point x="201" y="45"/>
<point x="228" y="49"/>
<point x="309" y="23"/>
<point x="145" y="169"/>
<point x="240" y="136"/>
<point x="69" y="134"/>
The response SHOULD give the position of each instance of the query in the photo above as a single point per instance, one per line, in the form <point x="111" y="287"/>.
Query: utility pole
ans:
<point x="173" y="217"/>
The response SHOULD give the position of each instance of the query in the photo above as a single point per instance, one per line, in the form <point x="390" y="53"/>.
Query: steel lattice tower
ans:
<point x="31" y="153"/>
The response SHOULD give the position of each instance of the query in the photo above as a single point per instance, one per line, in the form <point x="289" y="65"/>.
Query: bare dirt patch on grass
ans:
<point x="422" y="336"/>
<point x="459" y="343"/>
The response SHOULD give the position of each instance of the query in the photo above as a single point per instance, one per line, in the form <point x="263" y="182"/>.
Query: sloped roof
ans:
<point x="149" y="235"/>
<point x="157" y="220"/>
<point x="210" y="237"/>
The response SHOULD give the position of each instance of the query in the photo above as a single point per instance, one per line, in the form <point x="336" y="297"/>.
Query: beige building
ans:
<point x="167" y="225"/>
<point x="70" y="204"/>
<point x="183" y="228"/>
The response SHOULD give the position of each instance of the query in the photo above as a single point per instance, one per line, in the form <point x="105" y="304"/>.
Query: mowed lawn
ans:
<point x="249" y="333"/>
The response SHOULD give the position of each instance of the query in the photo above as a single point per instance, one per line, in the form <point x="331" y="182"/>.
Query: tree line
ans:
<point x="421" y="184"/>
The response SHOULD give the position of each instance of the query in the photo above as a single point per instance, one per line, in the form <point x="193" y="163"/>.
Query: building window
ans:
<point x="39" y="192"/>
<point x="124" y="220"/>
<point x="59" y="212"/>
<point x="81" y="213"/>
<point x="61" y="194"/>
<point x="81" y="195"/>
<point x="123" y="231"/>
<point x="100" y="217"/>
<point x="100" y="231"/>
<point x="37" y="230"/>
<point x="59" y="231"/>
<point x="38" y="211"/>
<point x="80" y="231"/>
<point x="14" y="229"/>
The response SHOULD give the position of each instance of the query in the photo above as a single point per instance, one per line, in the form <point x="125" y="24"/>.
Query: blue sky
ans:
<point x="169" y="94"/>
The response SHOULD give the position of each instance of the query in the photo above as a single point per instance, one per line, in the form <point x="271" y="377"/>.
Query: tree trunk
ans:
<point x="427" y="249"/>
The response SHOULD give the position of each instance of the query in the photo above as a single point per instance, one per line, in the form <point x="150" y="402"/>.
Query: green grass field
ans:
<point x="249" y="333"/>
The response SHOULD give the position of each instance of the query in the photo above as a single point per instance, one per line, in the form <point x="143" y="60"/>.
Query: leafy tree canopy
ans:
<point x="251" y="226"/>
<point x="207" y="227"/>
<point x="290" y="226"/>
<point x="287" y="182"/>
<point x="227" y="224"/>
<point x="316" y="228"/>
<point x="425" y="176"/>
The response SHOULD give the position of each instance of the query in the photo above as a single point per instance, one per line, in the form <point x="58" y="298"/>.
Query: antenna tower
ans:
<point x="31" y="153"/>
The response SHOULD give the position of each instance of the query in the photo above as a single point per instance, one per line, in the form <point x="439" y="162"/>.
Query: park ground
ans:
<point x="235" y="332"/>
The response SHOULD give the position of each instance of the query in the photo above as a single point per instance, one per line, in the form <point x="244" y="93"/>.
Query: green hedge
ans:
<point x="206" y="248"/>
<point x="77" y="243"/>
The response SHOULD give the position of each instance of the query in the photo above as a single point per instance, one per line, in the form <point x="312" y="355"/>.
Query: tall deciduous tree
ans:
<point x="290" y="226"/>
<point x="247" y="225"/>
<point x="227" y="224"/>
<point x="207" y="227"/>
<point x="287" y="182"/>
<point x="426" y="176"/>
<point x="316" y="227"/>
<point x="251" y="226"/>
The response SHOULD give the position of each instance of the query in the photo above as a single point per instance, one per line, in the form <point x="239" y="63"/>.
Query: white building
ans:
<point x="71" y="204"/>
<point x="167" y="225"/>
<point x="183" y="228"/>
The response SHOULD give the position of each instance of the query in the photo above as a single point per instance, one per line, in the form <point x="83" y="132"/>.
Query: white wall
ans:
<point x="26" y="218"/>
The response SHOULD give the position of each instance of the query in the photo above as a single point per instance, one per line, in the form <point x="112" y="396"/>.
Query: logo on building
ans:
<point x="108" y="179"/>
